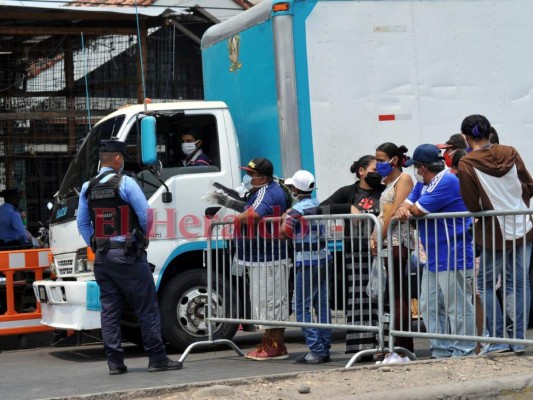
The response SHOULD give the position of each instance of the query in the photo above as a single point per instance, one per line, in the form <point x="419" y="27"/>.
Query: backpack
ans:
<point x="287" y="191"/>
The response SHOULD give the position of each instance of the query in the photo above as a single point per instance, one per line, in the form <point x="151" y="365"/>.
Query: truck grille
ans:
<point x="65" y="267"/>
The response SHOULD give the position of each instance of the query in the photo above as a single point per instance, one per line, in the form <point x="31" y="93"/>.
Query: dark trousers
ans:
<point x="402" y="316"/>
<point x="123" y="278"/>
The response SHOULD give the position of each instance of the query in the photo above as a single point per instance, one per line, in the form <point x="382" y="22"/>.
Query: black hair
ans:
<point x="493" y="136"/>
<point x="363" y="162"/>
<point x="436" y="166"/>
<point x="195" y="133"/>
<point x="392" y="150"/>
<point x="459" y="153"/>
<point x="476" y="126"/>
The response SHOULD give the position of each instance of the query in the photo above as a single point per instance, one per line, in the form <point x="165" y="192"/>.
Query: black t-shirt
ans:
<point x="366" y="201"/>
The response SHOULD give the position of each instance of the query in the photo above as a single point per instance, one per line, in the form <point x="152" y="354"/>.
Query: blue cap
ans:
<point x="425" y="153"/>
<point x="113" y="146"/>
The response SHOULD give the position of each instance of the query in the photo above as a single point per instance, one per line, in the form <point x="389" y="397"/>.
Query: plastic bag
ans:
<point x="373" y="288"/>
<point x="220" y="197"/>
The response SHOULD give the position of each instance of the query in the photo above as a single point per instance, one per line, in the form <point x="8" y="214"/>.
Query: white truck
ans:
<point x="309" y="84"/>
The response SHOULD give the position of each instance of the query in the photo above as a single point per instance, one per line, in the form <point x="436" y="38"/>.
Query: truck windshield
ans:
<point x="85" y="163"/>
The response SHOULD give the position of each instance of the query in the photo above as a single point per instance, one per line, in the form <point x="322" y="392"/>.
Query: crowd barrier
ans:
<point x="482" y="294"/>
<point x="20" y="313"/>
<point x="270" y="291"/>
<point x="346" y="238"/>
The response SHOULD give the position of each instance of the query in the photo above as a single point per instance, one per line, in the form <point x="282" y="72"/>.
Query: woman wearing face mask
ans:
<point x="359" y="197"/>
<point x="453" y="144"/>
<point x="390" y="159"/>
<point x="191" y="148"/>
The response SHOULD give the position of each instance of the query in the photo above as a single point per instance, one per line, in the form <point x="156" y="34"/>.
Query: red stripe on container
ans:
<point x="386" y="117"/>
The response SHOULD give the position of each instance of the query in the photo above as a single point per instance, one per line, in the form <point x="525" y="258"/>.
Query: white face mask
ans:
<point x="247" y="182"/>
<point x="419" y="178"/>
<point x="188" y="148"/>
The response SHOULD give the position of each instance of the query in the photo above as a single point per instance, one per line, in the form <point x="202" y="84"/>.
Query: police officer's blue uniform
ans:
<point x="12" y="231"/>
<point x="122" y="275"/>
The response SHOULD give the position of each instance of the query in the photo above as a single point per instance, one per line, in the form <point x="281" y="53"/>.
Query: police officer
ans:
<point x="112" y="218"/>
<point x="13" y="234"/>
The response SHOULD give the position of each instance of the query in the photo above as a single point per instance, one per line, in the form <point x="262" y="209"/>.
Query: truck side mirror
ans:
<point x="148" y="141"/>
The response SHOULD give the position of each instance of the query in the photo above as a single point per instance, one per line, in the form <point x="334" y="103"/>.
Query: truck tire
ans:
<point x="183" y="319"/>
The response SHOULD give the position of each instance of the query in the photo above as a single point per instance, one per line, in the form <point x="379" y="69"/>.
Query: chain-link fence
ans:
<point x="53" y="88"/>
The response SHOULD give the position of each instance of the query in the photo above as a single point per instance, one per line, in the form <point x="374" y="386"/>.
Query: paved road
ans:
<point x="44" y="373"/>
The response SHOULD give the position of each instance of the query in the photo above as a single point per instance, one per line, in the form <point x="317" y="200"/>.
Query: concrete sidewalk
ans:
<point x="80" y="372"/>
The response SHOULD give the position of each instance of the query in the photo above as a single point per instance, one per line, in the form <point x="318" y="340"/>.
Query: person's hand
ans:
<point x="373" y="245"/>
<point x="403" y="214"/>
<point x="354" y="210"/>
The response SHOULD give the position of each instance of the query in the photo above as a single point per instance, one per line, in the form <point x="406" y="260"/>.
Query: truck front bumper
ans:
<point x="68" y="305"/>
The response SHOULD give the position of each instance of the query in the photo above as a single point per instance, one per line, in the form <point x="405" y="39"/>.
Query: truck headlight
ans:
<point x="53" y="268"/>
<point x="81" y="265"/>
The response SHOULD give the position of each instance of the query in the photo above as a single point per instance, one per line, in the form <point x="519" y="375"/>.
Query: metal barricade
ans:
<point x="20" y="312"/>
<point x="461" y="305"/>
<point x="277" y="278"/>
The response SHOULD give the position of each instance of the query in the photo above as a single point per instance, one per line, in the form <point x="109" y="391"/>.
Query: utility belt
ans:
<point x="130" y="247"/>
<point x="116" y="245"/>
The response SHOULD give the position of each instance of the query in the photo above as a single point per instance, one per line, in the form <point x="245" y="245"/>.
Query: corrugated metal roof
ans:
<point x="119" y="6"/>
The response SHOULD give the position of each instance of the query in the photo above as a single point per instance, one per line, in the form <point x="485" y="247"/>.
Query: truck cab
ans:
<point x="176" y="195"/>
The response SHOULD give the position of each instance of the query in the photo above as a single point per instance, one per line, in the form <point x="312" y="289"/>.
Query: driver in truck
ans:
<point x="121" y="268"/>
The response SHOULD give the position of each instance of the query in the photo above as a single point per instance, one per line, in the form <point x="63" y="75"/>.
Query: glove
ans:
<point x="221" y="198"/>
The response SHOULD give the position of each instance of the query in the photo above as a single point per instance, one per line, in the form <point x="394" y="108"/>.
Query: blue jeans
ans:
<point x="311" y="290"/>
<point x="446" y="306"/>
<point x="515" y="289"/>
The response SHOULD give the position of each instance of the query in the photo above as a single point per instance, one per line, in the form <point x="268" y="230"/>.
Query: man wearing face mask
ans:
<point x="454" y="143"/>
<point x="121" y="268"/>
<point x="264" y="256"/>
<point x="447" y="280"/>
<point x="13" y="234"/>
<point x="191" y="146"/>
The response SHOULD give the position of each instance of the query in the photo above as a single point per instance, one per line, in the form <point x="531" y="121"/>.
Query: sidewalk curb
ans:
<point x="498" y="388"/>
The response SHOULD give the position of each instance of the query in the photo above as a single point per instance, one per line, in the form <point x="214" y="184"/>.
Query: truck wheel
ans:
<point x="183" y="316"/>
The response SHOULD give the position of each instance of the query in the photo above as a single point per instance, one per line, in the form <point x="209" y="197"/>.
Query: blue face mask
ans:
<point x="247" y="182"/>
<point x="384" y="168"/>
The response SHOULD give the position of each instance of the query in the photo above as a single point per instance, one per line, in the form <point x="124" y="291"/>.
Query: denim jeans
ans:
<point x="446" y="306"/>
<point x="515" y="290"/>
<point x="311" y="291"/>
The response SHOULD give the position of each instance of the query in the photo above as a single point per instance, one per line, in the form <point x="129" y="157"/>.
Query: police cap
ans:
<point x="113" y="146"/>
<point x="10" y="193"/>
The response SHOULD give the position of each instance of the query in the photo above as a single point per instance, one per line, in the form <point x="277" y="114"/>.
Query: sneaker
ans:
<point x="393" y="358"/>
<point x="311" y="358"/>
<point x="518" y="349"/>
<point x="166" y="365"/>
<point x="269" y="350"/>
<point x="495" y="349"/>
<point x="118" y="370"/>
<point x="258" y="349"/>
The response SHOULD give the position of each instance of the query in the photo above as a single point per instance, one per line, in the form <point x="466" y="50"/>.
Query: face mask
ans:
<point x="419" y="178"/>
<point x="294" y="196"/>
<point x="247" y="182"/>
<point x="448" y="158"/>
<point x="469" y="149"/>
<point x="188" y="148"/>
<point x="384" y="168"/>
<point x="373" y="179"/>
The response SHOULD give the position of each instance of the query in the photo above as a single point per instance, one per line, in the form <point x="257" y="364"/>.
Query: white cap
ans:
<point x="302" y="180"/>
